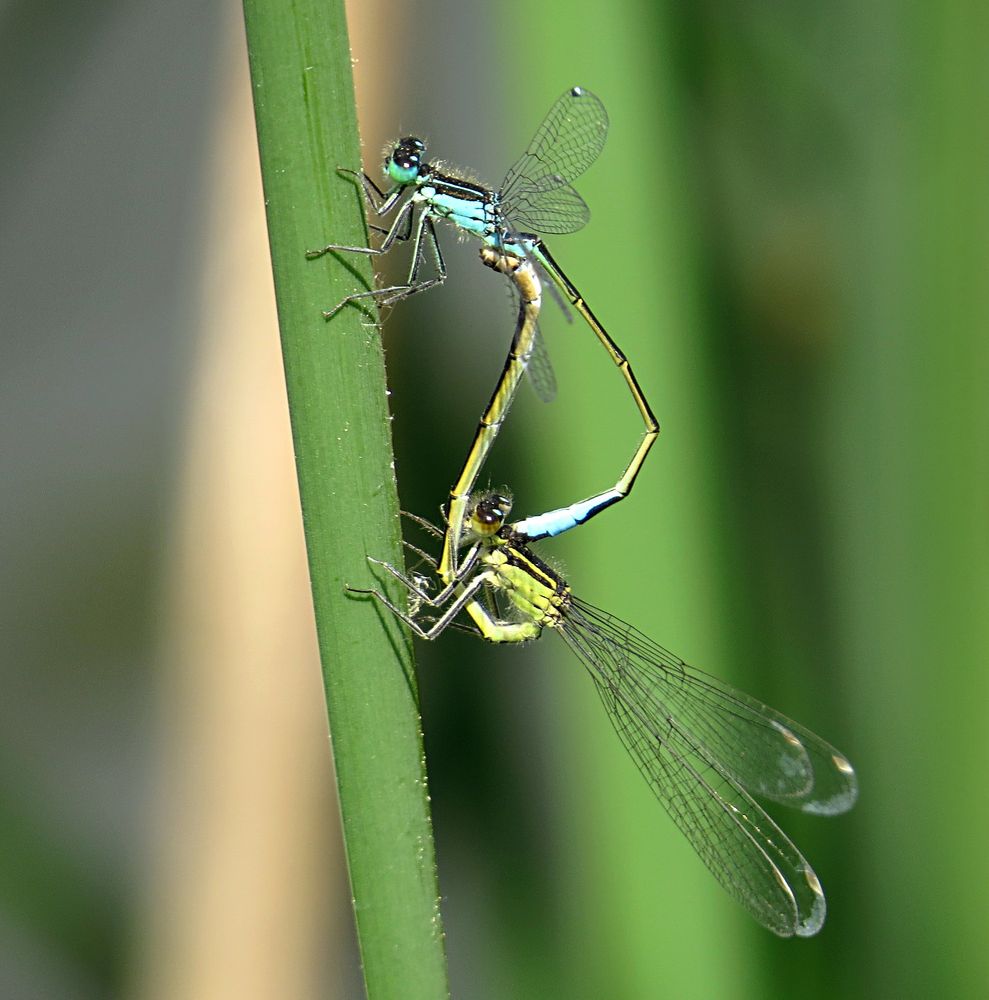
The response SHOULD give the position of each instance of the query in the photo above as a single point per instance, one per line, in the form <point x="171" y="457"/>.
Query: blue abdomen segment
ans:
<point x="555" y="522"/>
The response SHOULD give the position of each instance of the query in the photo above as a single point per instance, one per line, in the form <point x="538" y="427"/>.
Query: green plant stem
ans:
<point x="306" y="120"/>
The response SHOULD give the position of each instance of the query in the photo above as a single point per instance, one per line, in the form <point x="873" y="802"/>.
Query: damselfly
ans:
<point x="535" y="197"/>
<point x="704" y="748"/>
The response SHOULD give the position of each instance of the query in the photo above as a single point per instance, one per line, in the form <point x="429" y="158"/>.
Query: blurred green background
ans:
<point x="789" y="239"/>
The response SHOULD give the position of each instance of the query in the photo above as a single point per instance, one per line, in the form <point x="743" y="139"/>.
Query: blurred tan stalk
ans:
<point x="247" y="853"/>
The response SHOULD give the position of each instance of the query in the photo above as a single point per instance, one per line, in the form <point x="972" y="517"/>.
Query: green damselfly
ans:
<point x="704" y="748"/>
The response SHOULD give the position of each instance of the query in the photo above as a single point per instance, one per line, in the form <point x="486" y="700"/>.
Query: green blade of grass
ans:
<point x="306" y="120"/>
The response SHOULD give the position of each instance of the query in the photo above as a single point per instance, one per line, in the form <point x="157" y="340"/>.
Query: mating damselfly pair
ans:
<point x="704" y="748"/>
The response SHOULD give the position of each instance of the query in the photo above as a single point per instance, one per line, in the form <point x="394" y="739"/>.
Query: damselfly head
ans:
<point x="490" y="514"/>
<point x="404" y="161"/>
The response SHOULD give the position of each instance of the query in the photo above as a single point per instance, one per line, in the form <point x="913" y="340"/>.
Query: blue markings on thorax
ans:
<point x="467" y="205"/>
<point x="471" y="214"/>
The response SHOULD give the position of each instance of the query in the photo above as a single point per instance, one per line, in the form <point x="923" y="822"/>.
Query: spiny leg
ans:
<point x="404" y="217"/>
<point x="425" y="232"/>
<point x="381" y="201"/>
<point x="463" y="599"/>
<point x="423" y="555"/>
<point x="423" y="523"/>
<point x="441" y="597"/>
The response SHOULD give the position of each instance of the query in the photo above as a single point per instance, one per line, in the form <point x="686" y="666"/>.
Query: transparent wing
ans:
<point x="700" y="746"/>
<point x="549" y="285"/>
<point x="540" y="367"/>
<point x="540" y="370"/>
<point x="535" y="193"/>
<point x="553" y="211"/>
<point x="761" y="749"/>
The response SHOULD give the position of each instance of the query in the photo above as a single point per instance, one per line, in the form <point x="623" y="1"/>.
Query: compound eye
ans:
<point x="490" y="514"/>
<point x="406" y="159"/>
